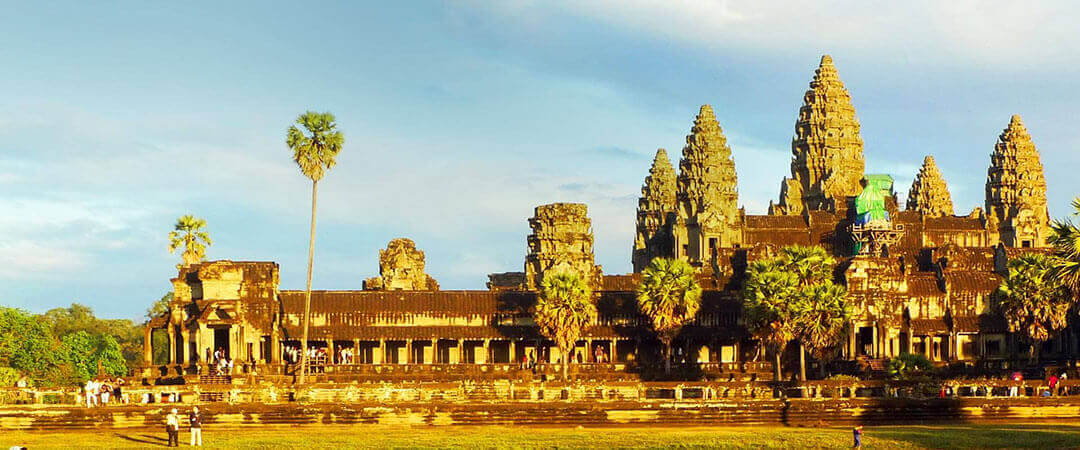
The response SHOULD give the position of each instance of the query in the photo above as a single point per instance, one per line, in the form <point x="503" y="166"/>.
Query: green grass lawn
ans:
<point x="383" y="436"/>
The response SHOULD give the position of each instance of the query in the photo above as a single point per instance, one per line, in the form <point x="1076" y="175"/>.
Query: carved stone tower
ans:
<point x="707" y="192"/>
<point x="827" y="162"/>
<point x="401" y="268"/>
<point x="1016" y="189"/>
<point x="929" y="194"/>
<point x="657" y="202"/>
<point x="561" y="241"/>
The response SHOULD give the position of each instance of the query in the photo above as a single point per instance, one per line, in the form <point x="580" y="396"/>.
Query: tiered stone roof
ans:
<point x="1016" y="188"/>
<point x="561" y="241"/>
<point x="657" y="200"/>
<point x="929" y="194"/>
<point x="707" y="182"/>
<point x="828" y="158"/>
<point x="401" y="267"/>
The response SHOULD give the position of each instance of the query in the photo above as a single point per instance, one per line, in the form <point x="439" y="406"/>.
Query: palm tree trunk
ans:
<point x="776" y="364"/>
<point x="667" y="357"/>
<point x="802" y="362"/>
<point x="566" y="355"/>
<point x="307" y="293"/>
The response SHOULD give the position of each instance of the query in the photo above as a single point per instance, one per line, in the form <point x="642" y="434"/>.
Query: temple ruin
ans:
<point x="920" y="278"/>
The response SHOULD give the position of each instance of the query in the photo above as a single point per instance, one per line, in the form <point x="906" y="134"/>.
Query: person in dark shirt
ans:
<point x="857" y="432"/>
<point x="196" y="427"/>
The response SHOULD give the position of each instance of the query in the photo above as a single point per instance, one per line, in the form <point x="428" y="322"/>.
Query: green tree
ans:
<point x="161" y="306"/>
<point x="315" y="153"/>
<point x="768" y="293"/>
<point x="189" y="234"/>
<point x="1034" y="304"/>
<point x="77" y="349"/>
<point x="813" y="268"/>
<point x="109" y="356"/>
<point x="75" y="318"/>
<point x="821" y="313"/>
<point x="27" y="343"/>
<point x="1065" y="238"/>
<point x="564" y="309"/>
<point x="669" y="296"/>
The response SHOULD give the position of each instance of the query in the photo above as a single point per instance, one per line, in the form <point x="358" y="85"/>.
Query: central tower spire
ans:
<point x="827" y="161"/>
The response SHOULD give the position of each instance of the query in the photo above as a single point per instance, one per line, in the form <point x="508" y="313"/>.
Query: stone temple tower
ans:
<point x="827" y="150"/>
<point x="656" y="208"/>
<point x="1016" y="189"/>
<point x="561" y="241"/>
<point x="706" y="193"/>
<point x="929" y="194"/>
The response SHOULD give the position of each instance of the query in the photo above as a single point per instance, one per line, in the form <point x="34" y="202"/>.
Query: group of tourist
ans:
<point x="172" y="427"/>
<point x="222" y="363"/>
<point x="345" y="356"/>
<point x="99" y="392"/>
<point x="528" y="361"/>
<point x="317" y="357"/>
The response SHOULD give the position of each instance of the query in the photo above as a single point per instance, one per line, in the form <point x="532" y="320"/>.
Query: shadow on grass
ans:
<point x="982" y="436"/>
<point x="145" y="439"/>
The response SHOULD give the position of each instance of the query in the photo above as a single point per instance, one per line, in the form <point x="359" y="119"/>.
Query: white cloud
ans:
<point x="991" y="33"/>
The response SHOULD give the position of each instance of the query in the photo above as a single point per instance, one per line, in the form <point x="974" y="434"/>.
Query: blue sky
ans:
<point x="460" y="117"/>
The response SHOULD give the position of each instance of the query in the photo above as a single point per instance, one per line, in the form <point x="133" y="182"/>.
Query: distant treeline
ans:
<point x="66" y="346"/>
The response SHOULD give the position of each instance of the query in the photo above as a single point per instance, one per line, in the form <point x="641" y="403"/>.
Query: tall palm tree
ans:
<point x="669" y="296"/>
<point x="812" y="266"/>
<point x="768" y="296"/>
<point x="564" y="310"/>
<point x="1032" y="302"/>
<point x="1065" y="238"/>
<point x="821" y="313"/>
<point x="314" y="152"/>
<point x="189" y="234"/>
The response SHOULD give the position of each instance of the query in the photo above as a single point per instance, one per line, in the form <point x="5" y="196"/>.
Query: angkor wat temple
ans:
<point x="921" y="282"/>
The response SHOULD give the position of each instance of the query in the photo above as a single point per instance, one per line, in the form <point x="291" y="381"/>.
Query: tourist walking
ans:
<point x="172" y="427"/>
<point x="88" y="393"/>
<point x="105" y="391"/>
<point x="196" y="427"/>
<point x="118" y="393"/>
<point x="857" y="434"/>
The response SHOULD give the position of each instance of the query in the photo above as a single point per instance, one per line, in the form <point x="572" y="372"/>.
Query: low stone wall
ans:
<point x="793" y="412"/>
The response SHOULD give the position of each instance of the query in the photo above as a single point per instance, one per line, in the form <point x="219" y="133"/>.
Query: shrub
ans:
<point x="908" y="366"/>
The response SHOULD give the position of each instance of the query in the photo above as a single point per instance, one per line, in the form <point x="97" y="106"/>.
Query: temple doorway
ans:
<point x="221" y="340"/>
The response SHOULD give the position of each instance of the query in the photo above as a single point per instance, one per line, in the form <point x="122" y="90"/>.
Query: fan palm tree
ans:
<point x="812" y="266"/>
<point x="1032" y="302"/>
<point x="1065" y="238"/>
<point x="768" y="295"/>
<point x="821" y="313"/>
<point x="189" y="234"/>
<point x="314" y="152"/>
<point x="564" y="310"/>
<point x="669" y="296"/>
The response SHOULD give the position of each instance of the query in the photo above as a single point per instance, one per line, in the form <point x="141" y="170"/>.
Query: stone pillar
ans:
<point x="429" y="352"/>
<point x="514" y="359"/>
<point x="910" y="341"/>
<point x="355" y="351"/>
<point x="148" y="346"/>
<point x="876" y="340"/>
<point x="171" y="330"/>
<point x="275" y="347"/>
<point x="588" y="356"/>
<point x="487" y="352"/>
<point x="378" y="354"/>
<point x="408" y="352"/>
<point x="203" y="340"/>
